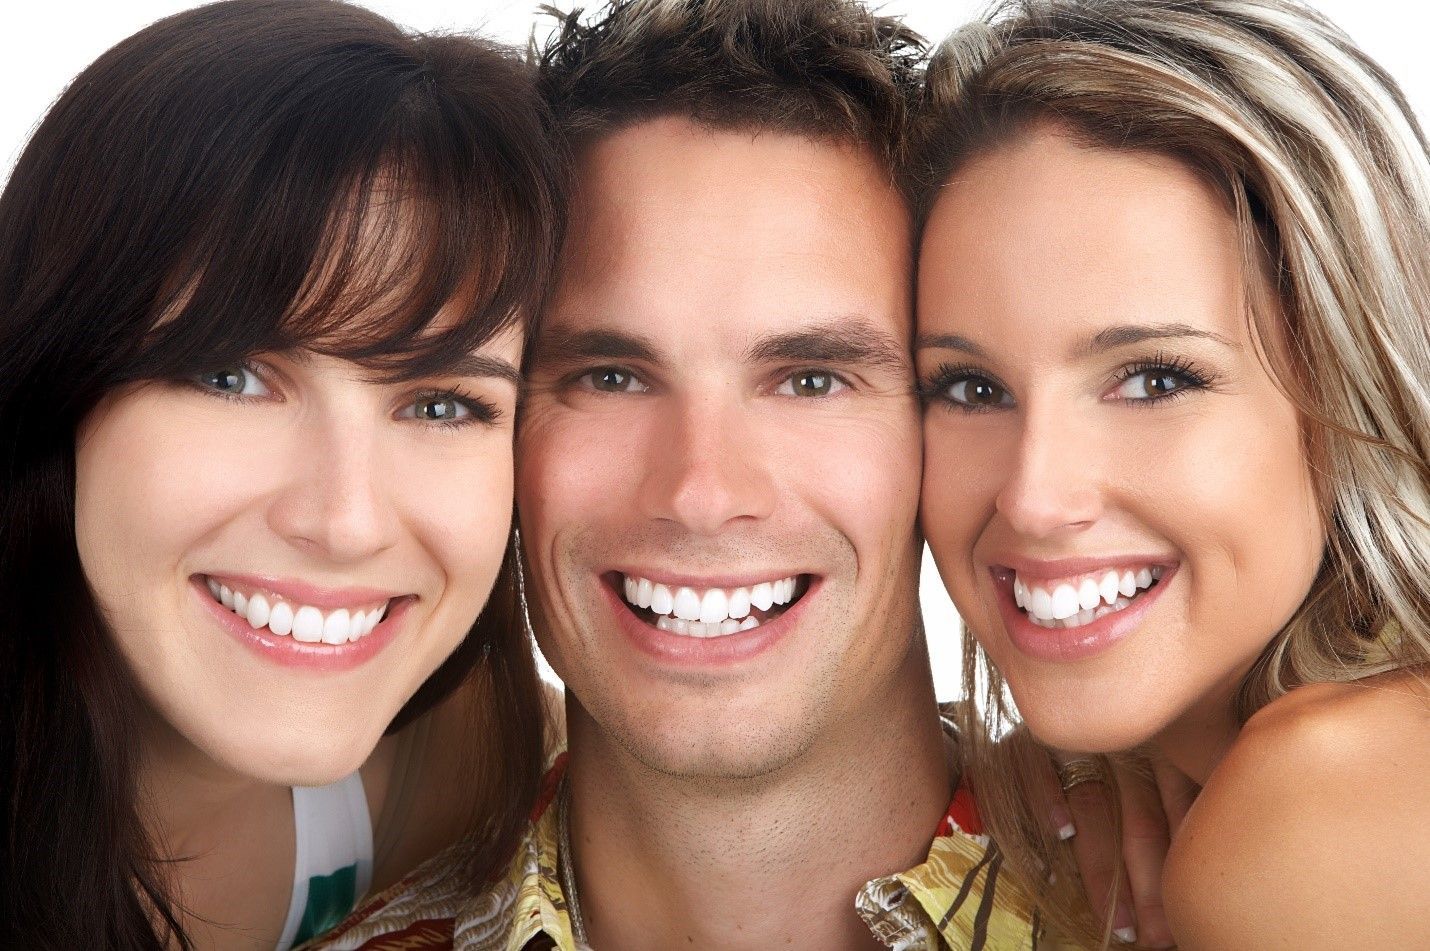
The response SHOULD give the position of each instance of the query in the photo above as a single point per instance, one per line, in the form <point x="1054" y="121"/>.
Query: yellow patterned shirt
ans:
<point x="959" y="898"/>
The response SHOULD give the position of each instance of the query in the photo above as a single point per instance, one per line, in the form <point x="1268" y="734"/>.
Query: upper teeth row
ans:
<point x="1055" y="601"/>
<point x="710" y="606"/>
<point x="306" y="624"/>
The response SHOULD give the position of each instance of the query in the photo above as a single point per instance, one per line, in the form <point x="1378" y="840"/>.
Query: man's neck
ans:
<point x="667" y="861"/>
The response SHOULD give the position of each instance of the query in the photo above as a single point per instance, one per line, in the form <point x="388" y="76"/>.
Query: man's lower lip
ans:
<point x="287" y="652"/>
<point x="1075" y="643"/>
<point x="723" y="651"/>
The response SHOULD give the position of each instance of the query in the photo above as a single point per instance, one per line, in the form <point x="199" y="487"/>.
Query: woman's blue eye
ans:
<point x="439" y="409"/>
<point x="978" y="393"/>
<point x="232" y="381"/>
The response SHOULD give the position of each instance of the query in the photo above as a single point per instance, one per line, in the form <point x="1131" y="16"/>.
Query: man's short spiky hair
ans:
<point x="826" y="69"/>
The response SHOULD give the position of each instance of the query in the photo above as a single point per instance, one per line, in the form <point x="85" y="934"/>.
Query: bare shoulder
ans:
<point x="1312" y="831"/>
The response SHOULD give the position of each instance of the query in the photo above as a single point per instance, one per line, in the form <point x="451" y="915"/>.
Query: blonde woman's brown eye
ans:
<point x="978" y="393"/>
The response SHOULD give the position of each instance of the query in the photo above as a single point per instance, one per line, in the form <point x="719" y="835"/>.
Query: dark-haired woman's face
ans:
<point x="285" y="550"/>
<point x="1115" y="489"/>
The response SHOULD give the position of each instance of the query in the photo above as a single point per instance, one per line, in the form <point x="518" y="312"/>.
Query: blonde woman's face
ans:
<point x="1115" y="490"/>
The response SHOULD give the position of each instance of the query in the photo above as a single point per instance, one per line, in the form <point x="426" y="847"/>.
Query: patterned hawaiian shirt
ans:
<point x="957" y="899"/>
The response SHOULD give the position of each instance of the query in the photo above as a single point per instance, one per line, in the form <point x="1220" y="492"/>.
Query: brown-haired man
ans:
<point x="719" y="465"/>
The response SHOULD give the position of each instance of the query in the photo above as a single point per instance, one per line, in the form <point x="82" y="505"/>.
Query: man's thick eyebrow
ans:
<point x="1125" y="334"/>
<point x="560" y="344"/>
<point x="848" y="341"/>
<point x="949" y="342"/>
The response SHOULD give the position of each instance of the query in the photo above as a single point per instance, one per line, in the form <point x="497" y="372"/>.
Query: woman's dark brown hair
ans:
<point x="249" y="176"/>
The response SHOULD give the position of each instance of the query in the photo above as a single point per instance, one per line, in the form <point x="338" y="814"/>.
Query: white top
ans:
<point x="332" y="861"/>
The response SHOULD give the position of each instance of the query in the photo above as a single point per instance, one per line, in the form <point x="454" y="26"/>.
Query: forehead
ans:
<point x="678" y="228"/>
<point x="1050" y="234"/>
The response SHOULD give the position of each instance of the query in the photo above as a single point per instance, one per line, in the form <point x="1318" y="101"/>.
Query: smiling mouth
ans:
<point x="709" y="612"/>
<point x="305" y="623"/>
<point x="1082" y="599"/>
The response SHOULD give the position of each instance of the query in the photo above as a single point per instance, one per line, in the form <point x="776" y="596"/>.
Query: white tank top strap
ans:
<point x="332" y="862"/>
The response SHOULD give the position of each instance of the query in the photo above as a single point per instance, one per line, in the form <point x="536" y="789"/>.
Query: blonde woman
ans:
<point x="1173" y="297"/>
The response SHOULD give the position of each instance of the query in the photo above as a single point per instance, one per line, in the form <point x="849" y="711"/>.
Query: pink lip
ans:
<point x="1075" y="643"/>
<point x="287" y="652"/>
<point x="690" y="653"/>
<point x="301" y="592"/>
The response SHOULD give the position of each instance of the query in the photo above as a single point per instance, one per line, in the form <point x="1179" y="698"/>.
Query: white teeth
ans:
<point x="1109" y="587"/>
<point x="1064" y="601"/>
<point x="687" y="604"/>
<point x="336" y="627"/>
<point x="1076" y="602"/>
<point x="739" y="603"/>
<point x="714" y="607"/>
<point x="1128" y="584"/>
<point x="685" y="628"/>
<point x="280" y="621"/>
<point x="308" y="625"/>
<point x="710" y="606"/>
<point x="1088" y="594"/>
<point x="1042" y="604"/>
<point x="258" y="611"/>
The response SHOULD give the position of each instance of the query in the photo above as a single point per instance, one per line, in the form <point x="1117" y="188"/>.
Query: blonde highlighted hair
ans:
<point x="1325" y="168"/>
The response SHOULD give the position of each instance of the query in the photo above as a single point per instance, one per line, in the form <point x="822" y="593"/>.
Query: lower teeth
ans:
<point x="699" y="629"/>
<point x="1086" y="616"/>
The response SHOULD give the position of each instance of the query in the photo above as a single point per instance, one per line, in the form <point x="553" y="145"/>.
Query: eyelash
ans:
<point x="934" y="388"/>
<point x="1195" y="377"/>
<point x="481" y="411"/>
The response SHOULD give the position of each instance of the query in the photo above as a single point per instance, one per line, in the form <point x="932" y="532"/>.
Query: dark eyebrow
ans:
<point x="479" y="364"/>
<point x="850" y="341"/>
<point x="949" y="342"/>
<point x="559" y="344"/>
<point x="1125" y="334"/>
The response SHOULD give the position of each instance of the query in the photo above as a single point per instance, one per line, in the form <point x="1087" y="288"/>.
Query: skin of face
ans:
<point x="1031" y="252"/>
<point x="308" y="471"/>
<point x="710" y="269"/>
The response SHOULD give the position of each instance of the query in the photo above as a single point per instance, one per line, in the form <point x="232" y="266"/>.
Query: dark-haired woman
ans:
<point x="263" y="276"/>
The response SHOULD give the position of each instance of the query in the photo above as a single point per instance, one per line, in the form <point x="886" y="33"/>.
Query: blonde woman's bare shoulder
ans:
<point x="1311" y="833"/>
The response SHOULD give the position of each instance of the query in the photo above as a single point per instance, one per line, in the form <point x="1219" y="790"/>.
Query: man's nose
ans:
<point x="702" y="471"/>
<point x="336" y="500"/>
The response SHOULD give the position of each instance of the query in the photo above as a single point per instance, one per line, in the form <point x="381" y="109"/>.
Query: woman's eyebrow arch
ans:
<point x="1122" y="335"/>
<point x="949" y="342"/>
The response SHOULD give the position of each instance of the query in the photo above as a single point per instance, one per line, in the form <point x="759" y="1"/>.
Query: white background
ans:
<point x="44" y="44"/>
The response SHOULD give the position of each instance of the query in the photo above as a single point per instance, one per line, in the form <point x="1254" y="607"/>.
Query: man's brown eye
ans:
<point x="812" y="384"/>
<point x="611" y="380"/>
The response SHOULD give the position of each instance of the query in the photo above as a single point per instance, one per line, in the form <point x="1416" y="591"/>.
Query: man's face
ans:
<point x="719" y="462"/>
